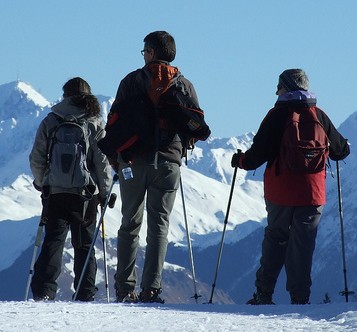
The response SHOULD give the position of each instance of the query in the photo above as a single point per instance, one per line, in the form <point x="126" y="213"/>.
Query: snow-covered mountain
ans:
<point x="206" y="181"/>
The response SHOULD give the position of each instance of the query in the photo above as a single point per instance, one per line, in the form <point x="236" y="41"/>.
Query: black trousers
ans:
<point x="65" y="212"/>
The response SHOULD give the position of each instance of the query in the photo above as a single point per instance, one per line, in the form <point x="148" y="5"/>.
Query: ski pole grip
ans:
<point x="112" y="199"/>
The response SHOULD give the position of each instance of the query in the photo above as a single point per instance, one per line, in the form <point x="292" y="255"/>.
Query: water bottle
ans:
<point x="127" y="173"/>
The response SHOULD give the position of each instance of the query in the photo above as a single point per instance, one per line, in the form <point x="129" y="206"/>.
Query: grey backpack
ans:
<point x="67" y="157"/>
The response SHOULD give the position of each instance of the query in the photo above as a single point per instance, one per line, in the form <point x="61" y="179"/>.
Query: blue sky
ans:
<point x="232" y="50"/>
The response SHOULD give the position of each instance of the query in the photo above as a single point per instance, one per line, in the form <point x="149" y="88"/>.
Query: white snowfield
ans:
<point x="72" y="316"/>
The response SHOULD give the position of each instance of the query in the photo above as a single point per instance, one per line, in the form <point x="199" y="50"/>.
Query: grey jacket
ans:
<point x="97" y="162"/>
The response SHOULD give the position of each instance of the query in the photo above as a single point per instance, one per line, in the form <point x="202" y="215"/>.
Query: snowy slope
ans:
<point x="65" y="316"/>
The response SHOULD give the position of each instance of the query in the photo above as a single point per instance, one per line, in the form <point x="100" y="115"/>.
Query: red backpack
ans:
<point x="305" y="145"/>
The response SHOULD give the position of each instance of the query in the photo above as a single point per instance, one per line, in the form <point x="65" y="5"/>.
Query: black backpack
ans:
<point x="137" y="120"/>
<point x="305" y="145"/>
<point x="181" y="114"/>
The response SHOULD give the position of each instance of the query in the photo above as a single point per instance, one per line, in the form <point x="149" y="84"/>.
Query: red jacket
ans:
<point x="284" y="187"/>
<point x="291" y="189"/>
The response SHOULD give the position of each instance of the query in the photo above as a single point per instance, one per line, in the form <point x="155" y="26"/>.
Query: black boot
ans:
<point x="261" y="298"/>
<point x="299" y="299"/>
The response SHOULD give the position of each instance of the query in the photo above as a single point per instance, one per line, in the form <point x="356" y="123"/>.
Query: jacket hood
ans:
<point x="162" y="69"/>
<point x="66" y="107"/>
<point x="161" y="76"/>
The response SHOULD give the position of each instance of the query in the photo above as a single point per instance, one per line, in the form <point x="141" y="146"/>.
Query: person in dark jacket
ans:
<point x="149" y="173"/>
<point x="294" y="200"/>
<point x="65" y="208"/>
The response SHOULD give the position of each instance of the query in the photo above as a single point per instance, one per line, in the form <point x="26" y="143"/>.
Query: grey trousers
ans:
<point x="289" y="241"/>
<point x="159" y="187"/>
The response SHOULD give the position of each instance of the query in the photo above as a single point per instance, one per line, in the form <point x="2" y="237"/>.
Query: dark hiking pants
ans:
<point x="65" y="211"/>
<point x="289" y="241"/>
<point x="159" y="186"/>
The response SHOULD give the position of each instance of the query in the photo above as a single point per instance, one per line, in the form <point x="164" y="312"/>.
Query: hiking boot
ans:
<point x="85" y="299"/>
<point x="125" y="296"/>
<point x="151" y="295"/>
<point x="299" y="299"/>
<point x="42" y="298"/>
<point x="86" y="296"/>
<point x="261" y="298"/>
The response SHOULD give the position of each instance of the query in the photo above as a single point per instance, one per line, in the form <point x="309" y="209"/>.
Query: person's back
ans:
<point x="69" y="205"/>
<point x="309" y="187"/>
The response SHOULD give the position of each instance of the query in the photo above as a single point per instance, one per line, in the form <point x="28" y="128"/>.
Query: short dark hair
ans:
<point x="163" y="45"/>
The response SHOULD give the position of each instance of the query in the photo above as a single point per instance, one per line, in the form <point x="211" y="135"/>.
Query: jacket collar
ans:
<point x="66" y="107"/>
<point x="298" y="96"/>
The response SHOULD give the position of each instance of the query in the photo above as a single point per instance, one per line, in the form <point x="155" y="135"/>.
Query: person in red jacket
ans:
<point x="294" y="201"/>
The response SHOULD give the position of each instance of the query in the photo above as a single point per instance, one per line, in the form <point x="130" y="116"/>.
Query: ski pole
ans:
<point x="95" y="235"/>
<point x="105" y="263"/>
<point x="345" y="292"/>
<point x="195" y="296"/>
<point x="223" y="233"/>
<point x="37" y="245"/>
<point x="43" y="221"/>
<point x="111" y="204"/>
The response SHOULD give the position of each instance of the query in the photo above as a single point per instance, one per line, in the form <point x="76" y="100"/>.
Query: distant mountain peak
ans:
<point x="32" y="94"/>
<point x="11" y="92"/>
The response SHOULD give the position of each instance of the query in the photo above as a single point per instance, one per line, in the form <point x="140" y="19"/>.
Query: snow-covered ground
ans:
<point x="70" y="316"/>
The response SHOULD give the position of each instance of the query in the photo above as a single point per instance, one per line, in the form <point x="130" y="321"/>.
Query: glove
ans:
<point x="235" y="162"/>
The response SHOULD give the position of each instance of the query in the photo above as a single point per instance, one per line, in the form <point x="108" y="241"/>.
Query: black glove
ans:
<point x="236" y="158"/>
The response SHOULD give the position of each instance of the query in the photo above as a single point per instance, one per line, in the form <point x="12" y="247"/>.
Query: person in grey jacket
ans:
<point x="66" y="208"/>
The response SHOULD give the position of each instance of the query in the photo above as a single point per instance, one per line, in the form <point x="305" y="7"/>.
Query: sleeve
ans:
<point x="101" y="167"/>
<point x="38" y="155"/>
<point x="120" y="95"/>
<point x="339" y="148"/>
<point x="266" y="142"/>
<point x="191" y="90"/>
